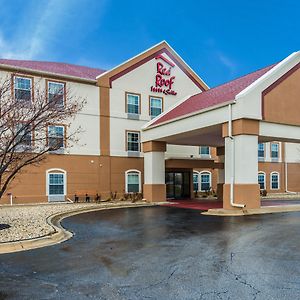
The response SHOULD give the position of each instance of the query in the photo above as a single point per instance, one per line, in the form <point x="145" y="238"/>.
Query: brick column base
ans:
<point x="155" y="192"/>
<point x="247" y="194"/>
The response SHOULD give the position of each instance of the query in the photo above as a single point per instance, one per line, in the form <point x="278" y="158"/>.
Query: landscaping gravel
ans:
<point x="30" y="221"/>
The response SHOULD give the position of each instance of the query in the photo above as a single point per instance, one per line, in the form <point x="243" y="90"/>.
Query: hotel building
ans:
<point x="128" y="115"/>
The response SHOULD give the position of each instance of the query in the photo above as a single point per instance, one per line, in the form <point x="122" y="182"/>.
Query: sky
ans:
<point x="220" y="40"/>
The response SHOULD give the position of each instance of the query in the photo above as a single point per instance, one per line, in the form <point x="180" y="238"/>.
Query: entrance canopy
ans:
<point x="199" y="119"/>
<point x="259" y="107"/>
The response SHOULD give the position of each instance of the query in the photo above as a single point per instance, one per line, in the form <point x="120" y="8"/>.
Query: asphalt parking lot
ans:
<point x="161" y="253"/>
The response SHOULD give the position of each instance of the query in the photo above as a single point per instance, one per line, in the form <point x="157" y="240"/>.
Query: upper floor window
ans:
<point x="261" y="178"/>
<point x="204" y="150"/>
<point x="56" y="93"/>
<point x="156" y="106"/>
<point x="261" y="150"/>
<point x="56" y="136"/>
<point x="133" y="103"/>
<point x="23" y="88"/>
<point x="24" y="136"/>
<point x="133" y="141"/>
<point x="274" y="180"/>
<point x="275" y="150"/>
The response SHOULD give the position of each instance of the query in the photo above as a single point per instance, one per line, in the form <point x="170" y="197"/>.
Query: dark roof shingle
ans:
<point x="55" y="67"/>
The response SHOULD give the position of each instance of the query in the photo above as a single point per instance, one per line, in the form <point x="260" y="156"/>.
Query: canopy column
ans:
<point x="154" y="169"/>
<point x="241" y="168"/>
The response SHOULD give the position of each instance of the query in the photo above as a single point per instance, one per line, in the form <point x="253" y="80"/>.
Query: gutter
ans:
<point x="149" y="125"/>
<point x="232" y="179"/>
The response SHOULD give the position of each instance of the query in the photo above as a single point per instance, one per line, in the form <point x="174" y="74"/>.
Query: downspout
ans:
<point x="232" y="179"/>
<point x="286" y="174"/>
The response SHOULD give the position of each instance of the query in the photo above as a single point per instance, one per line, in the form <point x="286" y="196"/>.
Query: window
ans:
<point x="22" y="88"/>
<point x="56" y="93"/>
<point x="261" y="150"/>
<point x="156" y="106"/>
<point x="196" y="181"/>
<point x="262" y="180"/>
<point x="205" y="181"/>
<point x="133" y="103"/>
<point x="133" y="181"/>
<point x="133" y="141"/>
<point x="24" y="136"/>
<point x="204" y="150"/>
<point x="274" y="150"/>
<point x="274" y="181"/>
<point x="56" y="184"/>
<point x="56" y="136"/>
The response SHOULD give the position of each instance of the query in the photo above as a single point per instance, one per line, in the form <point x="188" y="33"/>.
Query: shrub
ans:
<point x="263" y="193"/>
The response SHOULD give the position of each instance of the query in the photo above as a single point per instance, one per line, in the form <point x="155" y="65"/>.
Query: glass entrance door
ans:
<point x="178" y="185"/>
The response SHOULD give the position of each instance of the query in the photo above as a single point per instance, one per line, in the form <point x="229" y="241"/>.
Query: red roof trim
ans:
<point x="212" y="97"/>
<point x="146" y="59"/>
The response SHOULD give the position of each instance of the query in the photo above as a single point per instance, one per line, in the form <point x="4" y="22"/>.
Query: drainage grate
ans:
<point x="4" y="226"/>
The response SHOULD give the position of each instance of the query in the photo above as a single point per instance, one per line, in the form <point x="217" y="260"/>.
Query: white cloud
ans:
<point x="35" y="30"/>
<point x="227" y="62"/>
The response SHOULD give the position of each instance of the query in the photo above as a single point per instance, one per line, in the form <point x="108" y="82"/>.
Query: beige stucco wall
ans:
<point x="139" y="81"/>
<point x="87" y="119"/>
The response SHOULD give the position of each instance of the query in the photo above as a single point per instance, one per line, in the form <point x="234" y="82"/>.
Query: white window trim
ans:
<point x="205" y="155"/>
<point x="63" y="127"/>
<point x="126" y="179"/>
<point x="278" y="180"/>
<point x="14" y="87"/>
<point x="198" y="174"/>
<point x="161" y="105"/>
<point x="262" y="173"/>
<point x="278" y="151"/>
<point x="261" y="157"/>
<point x="210" y="178"/>
<point x="139" y="105"/>
<point x="127" y="141"/>
<point x="56" y="171"/>
<point x="63" y="88"/>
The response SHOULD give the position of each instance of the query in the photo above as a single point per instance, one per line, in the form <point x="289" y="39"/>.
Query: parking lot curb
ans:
<point x="247" y="212"/>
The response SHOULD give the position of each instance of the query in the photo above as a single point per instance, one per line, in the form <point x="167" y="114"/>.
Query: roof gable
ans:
<point x="106" y="79"/>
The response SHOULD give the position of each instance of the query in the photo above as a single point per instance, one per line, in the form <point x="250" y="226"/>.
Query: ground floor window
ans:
<point x="56" y="184"/>
<point x="274" y="181"/>
<point x="262" y="180"/>
<point x="205" y="181"/>
<point x="133" y="181"/>
<point x="196" y="181"/>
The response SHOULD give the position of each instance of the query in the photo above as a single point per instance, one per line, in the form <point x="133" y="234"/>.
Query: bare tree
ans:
<point x="29" y="119"/>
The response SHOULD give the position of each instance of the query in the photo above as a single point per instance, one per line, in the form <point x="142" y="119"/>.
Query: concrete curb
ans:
<point x="247" y="212"/>
<point x="60" y="234"/>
